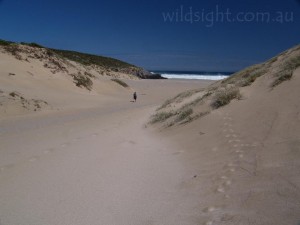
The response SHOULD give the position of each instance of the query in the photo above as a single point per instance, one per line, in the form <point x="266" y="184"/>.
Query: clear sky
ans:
<point x="214" y="35"/>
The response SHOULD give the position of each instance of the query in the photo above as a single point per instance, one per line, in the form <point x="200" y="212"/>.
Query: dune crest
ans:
<point x="45" y="78"/>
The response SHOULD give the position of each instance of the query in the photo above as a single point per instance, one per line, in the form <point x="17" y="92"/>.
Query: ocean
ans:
<point x="198" y="75"/>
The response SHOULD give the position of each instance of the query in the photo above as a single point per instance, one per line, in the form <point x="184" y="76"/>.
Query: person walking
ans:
<point x="134" y="96"/>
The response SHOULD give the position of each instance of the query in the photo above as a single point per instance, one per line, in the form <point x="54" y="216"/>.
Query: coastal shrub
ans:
<point x="199" y="115"/>
<point x="12" y="49"/>
<point x="250" y="73"/>
<point x="184" y="95"/>
<point x="286" y="73"/>
<point x="161" y="117"/>
<point x="272" y="60"/>
<point x="88" y="59"/>
<point x="32" y="44"/>
<point x="185" y="114"/>
<point x="165" y="104"/>
<point x="82" y="81"/>
<point x="120" y="82"/>
<point x="178" y="98"/>
<point x="5" y="43"/>
<point x="251" y="77"/>
<point x="14" y="94"/>
<point x="196" y="101"/>
<point x="89" y="74"/>
<point x="224" y="97"/>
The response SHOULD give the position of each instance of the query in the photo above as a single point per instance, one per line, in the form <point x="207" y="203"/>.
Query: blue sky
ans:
<point x="189" y="35"/>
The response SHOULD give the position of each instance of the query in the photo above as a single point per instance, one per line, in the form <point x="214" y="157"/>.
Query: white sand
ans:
<point x="89" y="157"/>
<point x="97" y="164"/>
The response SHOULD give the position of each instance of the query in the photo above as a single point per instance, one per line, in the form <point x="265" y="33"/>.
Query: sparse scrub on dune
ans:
<point x="197" y="101"/>
<point x="272" y="60"/>
<point x="224" y="97"/>
<point x="14" y="94"/>
<point x="89" y="59"/>
<point x="89" y="74"/>
<point x="284" y="76"/>
<point x="246" y="77"/>
<point x="13" y="50"/>
<point x="286" y="73"/>
<point x="120" y="82"/>
<point x="32" y="44"/>
<point x="5" y="43"/>
<point x="184" y="115"/>
<point x="161" y="117"/>
<point x="252" y="77"/>
<point x="178" y="98"/>
<point x="185" y="94"/>
<point x="165" y="104"/>
<point x="83" y="81"/>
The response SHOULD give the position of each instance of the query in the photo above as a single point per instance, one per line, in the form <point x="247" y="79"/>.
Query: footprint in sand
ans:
<point x="2" y="170"/>
<point x="64" y="145"/>
<point x="208" y="223"/>
<point x="227" y="183"/>
<point x="178" y="153"/>
<point x="132" y="142"/>
<point x="209" y="209"/>
<point x="255" y="144"/>
<point x="215" y="149"/>
<point x="220" y="189"/>
<point x="224" y="178"/>
<point x="50" y="150"/>
<point x="33" y="159"/>
<point x="75" y="139"/>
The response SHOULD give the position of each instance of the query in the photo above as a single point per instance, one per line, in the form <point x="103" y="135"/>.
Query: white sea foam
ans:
<point x="194" y="76"/>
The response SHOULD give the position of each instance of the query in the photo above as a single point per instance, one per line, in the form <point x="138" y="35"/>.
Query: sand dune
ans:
<point x="245" y="155"/>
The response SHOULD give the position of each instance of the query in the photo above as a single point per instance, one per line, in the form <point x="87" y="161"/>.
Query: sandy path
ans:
<point x="93" y="166"/>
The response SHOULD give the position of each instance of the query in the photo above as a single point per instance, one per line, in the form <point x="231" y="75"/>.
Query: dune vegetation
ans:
<point x="194" y="104"/>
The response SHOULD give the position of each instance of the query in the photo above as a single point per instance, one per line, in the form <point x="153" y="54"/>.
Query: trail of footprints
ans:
<point x="238" y="150"/>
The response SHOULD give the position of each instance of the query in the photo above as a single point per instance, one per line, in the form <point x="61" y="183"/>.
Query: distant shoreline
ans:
<point x="194" y="75"/>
